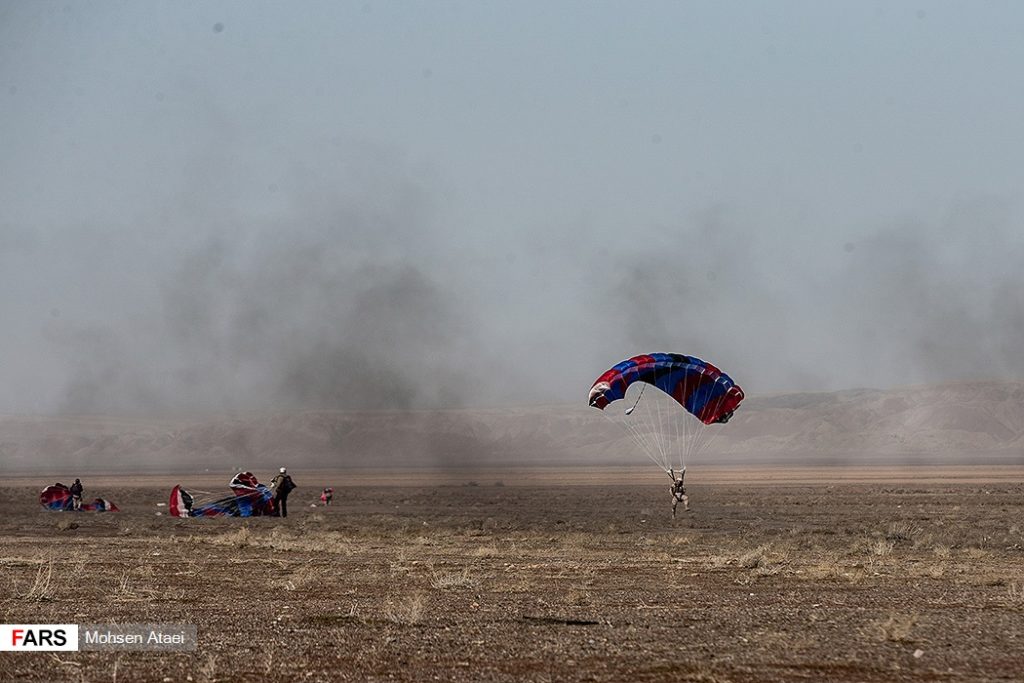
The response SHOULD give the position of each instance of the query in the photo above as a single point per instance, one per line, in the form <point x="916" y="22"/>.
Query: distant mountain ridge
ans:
<point x="957" y="421"/>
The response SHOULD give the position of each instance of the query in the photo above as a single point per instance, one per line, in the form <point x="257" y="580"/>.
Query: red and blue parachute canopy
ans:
<point x="58" y="498"/>
<point x="698" y="386"/>
<point x="250" y="499"/>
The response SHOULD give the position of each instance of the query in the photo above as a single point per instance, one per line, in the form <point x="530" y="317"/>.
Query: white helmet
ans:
<point x="283" y="470"/>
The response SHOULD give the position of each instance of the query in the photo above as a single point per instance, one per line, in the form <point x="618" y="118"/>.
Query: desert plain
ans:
<point x="851" y="573"/>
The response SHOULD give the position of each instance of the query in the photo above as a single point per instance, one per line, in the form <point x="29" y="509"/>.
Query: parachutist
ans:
<point x="76" y="495"/>
<point x="678" y="491"/>
<point x="282" y="485"/>
<point x="689" y="395"/>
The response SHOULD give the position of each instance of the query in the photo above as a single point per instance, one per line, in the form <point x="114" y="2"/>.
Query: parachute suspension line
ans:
<point x="205" y="493"/>
<point x="642" y="390"/>
<point x="664" y="451"/>
<point x="659" y="431"/>
<point x="640" y="436"/>
<point x="671" y="432"/>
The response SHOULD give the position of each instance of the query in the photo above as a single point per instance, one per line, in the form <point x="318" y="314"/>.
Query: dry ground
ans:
<point x="795" y="578"/>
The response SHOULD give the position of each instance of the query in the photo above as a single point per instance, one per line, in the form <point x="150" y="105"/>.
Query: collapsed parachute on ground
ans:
<point x="250" y="499"/>
<point x="58" y="498"/>
<point x="666" y="434"/>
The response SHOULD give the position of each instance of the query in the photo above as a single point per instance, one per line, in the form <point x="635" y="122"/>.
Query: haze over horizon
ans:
<point x="227" y="206"/>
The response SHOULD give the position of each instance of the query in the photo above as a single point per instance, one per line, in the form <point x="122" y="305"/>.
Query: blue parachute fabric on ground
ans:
<point x="252" y="504"/>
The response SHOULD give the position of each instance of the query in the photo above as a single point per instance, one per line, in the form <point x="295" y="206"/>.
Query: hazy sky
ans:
<point x="226" y="206"/>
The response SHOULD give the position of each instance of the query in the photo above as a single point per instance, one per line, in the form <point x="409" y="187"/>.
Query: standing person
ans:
<point x="326" y="495"/>
<point x="282" y="485"/>
<point x="678" y="492"/>
<point x="76" y="495"/>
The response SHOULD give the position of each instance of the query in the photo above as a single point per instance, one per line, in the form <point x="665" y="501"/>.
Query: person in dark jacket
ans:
<point x="282" y="485"/>
<point x="76" y="495"/>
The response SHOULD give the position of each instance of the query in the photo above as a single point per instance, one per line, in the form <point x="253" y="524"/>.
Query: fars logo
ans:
<point x="38" y="637"/>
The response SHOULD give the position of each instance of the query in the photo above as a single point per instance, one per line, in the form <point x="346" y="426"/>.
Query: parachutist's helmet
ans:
<point x="284" y="470"/>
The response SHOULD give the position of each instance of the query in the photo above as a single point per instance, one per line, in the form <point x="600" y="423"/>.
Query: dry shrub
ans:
<point x="401" y="564"/>
<point x="1015" y="594"/>
<point x="897" y="628"/>
<point x="282" y="538"/>
<point x="328" y="542"/>
<point x="15" y="562"/>
<point x="754" y="558"/>
<point x="902" y="532"/>
<point x="126" y="590"/>
<point x="978" y="553"/>
<point x="682" y="539"/>
<point x="314" y="519"/>
<point x="828" y="567"/>
<point x="240" y="538"/>
<point x="123" y="589"/>
<point x="42" y="588"/>
<point x="577" y="541"/>
<point x="719" y="561"/>
<point x="208" y="670"/>
<point x="881" y="548"/>
<point x="577" y="596"/>
<point x="305" y="575"/>
<point x="761" y="561"/>
<point x="656" y="556"/>
<point x="452" y="579"/>
<point x="489" y="551"/>
<point x="407" y="610"/>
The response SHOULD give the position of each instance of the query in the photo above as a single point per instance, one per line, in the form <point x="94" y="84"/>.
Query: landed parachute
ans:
<point x="657" y="422"/>
<point x="250" y="499"/>
<point x="58" y="498"/>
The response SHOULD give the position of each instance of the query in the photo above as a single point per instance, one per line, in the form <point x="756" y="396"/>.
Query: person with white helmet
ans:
<point x="282" y="485"/>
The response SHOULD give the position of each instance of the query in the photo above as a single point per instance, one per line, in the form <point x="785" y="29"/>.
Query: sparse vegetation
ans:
<point x="582" y="579"/>
<point x="902" y="532"/>
<point x="42" y="588"/>
<point x="449" y="579"/>
<point x="882" y="548"/>
<point x="407" y="610"/>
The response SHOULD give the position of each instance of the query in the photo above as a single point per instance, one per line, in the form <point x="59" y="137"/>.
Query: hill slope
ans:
<point x="962" y="421"/>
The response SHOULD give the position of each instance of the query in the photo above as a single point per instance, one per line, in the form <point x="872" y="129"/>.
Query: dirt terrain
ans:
<point x="554" y="575"/>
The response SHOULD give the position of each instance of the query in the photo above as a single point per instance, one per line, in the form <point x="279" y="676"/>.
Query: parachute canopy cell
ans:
<point x="702" y="389"/>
